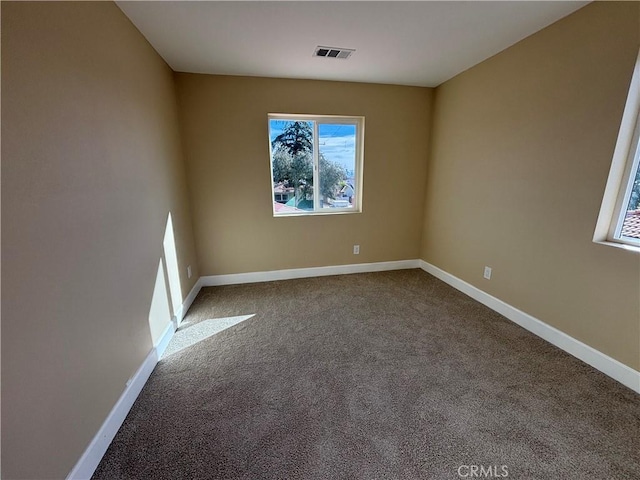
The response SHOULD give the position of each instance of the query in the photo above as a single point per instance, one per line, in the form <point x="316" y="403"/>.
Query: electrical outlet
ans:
<point x="356" y="249"/>
<point x="487" y="273"/>
<point x="189" y="271"/>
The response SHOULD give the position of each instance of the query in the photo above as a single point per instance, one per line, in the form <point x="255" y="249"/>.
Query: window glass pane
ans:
<point x="631" y="222"/>
<point x="292" y="160"/>
<point x="337" y="165"/>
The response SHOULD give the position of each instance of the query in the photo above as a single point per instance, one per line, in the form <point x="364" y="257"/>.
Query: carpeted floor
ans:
<point x="391" y="375"/>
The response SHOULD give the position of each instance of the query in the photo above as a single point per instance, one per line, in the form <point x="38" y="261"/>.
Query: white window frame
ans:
<point x="624" y="165"/>
<point x="620" y="211"/>
<point x="359" y="161"/>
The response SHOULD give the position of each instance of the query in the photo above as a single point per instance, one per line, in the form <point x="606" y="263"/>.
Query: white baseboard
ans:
<point x="598" y="360"/>
<point x="254" y="277"/>
<point x="93" y="454"/>
<point x="91" y="457"/>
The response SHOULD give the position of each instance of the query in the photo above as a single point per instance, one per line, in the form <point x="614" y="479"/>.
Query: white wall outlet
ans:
<point x="356" y="249"/>
<point x="189" y="271"/>
<point x="487" y="273"/>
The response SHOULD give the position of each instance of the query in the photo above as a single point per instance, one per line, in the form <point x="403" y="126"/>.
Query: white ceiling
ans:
<point x="405" y="43"/>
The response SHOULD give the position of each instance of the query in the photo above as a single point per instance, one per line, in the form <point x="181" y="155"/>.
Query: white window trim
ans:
<point x="358" y="173"/>
<point x="624" y="162"/>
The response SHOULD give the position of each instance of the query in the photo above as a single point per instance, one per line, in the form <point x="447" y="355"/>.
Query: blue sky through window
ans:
<point x="337" y="143"/>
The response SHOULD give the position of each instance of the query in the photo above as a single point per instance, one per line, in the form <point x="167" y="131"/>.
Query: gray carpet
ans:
<point x="391" y="375"/>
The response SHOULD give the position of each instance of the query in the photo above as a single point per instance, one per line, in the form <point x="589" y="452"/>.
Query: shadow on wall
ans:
<point x="167" y="292"/>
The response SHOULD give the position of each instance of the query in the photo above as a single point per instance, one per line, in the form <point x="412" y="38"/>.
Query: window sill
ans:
<point x="623" y="246"/>
<point x="316" y="214"/>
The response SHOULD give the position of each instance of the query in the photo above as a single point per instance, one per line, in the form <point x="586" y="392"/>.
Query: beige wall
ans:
<point x="224" y="122"/>
<point x="91" y="167"/>
<point x="521" y="149"/>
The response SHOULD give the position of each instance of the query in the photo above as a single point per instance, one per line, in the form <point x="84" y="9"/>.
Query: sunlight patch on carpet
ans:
<point x="188" y="335"/>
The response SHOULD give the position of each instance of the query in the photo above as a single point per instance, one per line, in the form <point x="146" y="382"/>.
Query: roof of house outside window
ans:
<point x="631" y="224"/>
<point x="280" y="207"/>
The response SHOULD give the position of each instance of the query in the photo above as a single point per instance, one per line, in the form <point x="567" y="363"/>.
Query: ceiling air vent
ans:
<point x="333" y="52"/>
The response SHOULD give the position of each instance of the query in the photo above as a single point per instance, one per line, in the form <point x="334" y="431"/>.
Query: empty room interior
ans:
<point x="320" y="240"/>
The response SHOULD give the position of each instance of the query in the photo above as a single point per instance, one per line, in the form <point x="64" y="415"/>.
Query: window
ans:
<point x="316" y="164"/>
<point x="626" y="227"/>
<point x="619" y="220"/>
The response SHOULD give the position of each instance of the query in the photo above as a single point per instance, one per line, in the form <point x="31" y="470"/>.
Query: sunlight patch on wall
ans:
<point x="171" y="262"/>
<point x="159" y="311"/>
